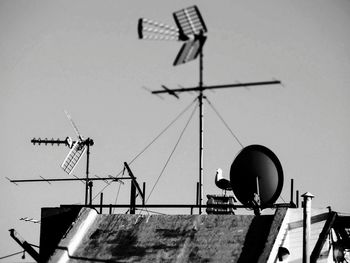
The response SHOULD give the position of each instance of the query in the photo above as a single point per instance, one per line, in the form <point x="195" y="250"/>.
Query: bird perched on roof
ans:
<point x="221" y="182"/>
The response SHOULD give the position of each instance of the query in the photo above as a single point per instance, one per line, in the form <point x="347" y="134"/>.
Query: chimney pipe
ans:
<point x="306" y="226"/>
<point x="297" y="198"/>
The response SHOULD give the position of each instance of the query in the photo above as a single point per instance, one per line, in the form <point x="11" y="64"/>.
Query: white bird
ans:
<point x="221" y="182"/>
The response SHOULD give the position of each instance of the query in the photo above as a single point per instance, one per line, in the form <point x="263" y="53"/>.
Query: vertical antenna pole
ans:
<point x="90" y="192"/>
<point x="291" y="191"/>
<point x="101" y="202"/>
<point x="132" y="198"/>
<point x="87" y="171"/>
<point x="197" y="193"/>
<point x="297" y="198"/>
<point x="200" y="99"/>
<point x="144" y="193"/>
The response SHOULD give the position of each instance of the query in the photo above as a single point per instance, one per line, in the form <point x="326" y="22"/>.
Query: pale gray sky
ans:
<point x="85" y="57"/>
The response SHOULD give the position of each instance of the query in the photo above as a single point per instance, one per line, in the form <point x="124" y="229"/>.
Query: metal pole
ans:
<point x="175" y="206"/>
<point x="101" y="202"/>
<point x="69" y="179"/>
<point x="90" y="192"/>
<point x="257" y="187"/>
<point x="291" y="191"/>
<point x="87" y="171"/>
<point x="297" y="198"/>
<point x="201" y="118"/>
<point x="132" y="198"/>
<point x="197" y="193"/>
<point x="144" y="193"/>
<point x="306" y="226"/>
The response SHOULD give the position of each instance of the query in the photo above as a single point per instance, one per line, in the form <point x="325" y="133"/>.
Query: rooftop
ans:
<point x="154" y="238"/>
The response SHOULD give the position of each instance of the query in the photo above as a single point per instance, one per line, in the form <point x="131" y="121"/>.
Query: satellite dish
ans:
<point x="256" y="171"/>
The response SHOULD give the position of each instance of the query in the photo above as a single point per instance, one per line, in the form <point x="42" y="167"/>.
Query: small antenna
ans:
<point x="77" y="150"/>
<point x="32" y="220"/>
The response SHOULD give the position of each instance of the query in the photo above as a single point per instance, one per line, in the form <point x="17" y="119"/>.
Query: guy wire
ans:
<point x="172" y="152"/>
<point x="221" y="118"/>
<point x="148" y="145"/>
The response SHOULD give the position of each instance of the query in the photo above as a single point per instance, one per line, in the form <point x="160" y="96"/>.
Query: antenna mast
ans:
<point x="201" y="131"/>
<point x="191" y="30"/>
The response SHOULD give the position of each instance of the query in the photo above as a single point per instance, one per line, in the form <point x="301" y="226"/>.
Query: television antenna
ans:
<point x="77" y="150"/>
<point x="191" y="30"/>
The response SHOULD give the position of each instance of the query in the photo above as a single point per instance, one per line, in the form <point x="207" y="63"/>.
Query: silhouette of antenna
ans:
<point x="191" y="29"/>
<point x="77" y="150"/>
<point x="32" y="220"/>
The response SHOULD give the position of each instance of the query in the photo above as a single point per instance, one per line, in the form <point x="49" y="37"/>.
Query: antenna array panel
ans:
<point x="190" y="21"/>
<point x="73" y="157"/>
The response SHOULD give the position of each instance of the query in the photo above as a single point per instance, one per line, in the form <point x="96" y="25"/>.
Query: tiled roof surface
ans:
<point x="166" y="238"/>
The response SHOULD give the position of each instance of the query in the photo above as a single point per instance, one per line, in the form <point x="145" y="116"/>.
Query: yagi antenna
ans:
<point x="191" y="30"/>
<point x="77" y="150"/>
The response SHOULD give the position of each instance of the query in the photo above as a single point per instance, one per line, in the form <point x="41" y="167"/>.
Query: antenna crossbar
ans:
<point x="67" y="179"/>
<point x="235" y="85"/>
<point x="50" y="141"/>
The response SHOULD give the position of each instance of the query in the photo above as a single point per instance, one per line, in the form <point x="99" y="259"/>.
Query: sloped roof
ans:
<point x="329" y="231"/>
<point x="155" y="238"/>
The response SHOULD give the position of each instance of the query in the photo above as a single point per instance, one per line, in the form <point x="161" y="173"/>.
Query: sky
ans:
<point x="85" y="57"/>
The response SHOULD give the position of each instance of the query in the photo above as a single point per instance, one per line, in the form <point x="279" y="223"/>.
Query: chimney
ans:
<point x="306" y="226"/>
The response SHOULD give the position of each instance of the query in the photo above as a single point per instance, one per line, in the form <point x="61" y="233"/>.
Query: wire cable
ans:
<point x="222" y="119"/>
<point x="150" y="211"/>
<point x="116" y="199"/>
<point x="163" y="131"/>
<point x="33" y="245"/>
<point x="172" y="152"/>
<point x="11" y="255"/>
<point x="148" y="145"/>
<point x="281" y="198"/>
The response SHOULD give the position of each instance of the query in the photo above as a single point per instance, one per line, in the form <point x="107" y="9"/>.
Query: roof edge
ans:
<point x="74" y="236"/>
<point x="277" y="230"/>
